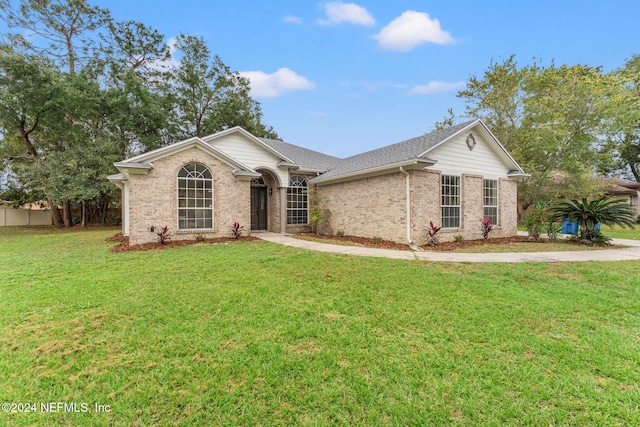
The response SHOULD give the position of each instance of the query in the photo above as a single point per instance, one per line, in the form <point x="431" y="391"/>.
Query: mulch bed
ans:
<point x="442" y="246"/>
<point x="123" y="245"/>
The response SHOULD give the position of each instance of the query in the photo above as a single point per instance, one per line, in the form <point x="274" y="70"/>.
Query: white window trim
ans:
<point x="497" y="205"/>
<point x="459" y="205"/>
<point x="306" y="189"/>
<point x="188" y="230"/>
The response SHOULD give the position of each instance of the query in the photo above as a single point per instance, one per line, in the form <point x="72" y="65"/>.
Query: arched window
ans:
<point x="258" y="182"/>
<point x="195" y="197"/>
<point x="297" y="201"/>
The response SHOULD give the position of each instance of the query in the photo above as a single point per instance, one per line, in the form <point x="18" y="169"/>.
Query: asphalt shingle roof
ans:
<point x="395" y="153"/>
<point x="305" y="158"/>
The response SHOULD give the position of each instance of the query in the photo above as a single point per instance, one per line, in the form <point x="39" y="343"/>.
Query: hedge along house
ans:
<point x="454" y="177"/>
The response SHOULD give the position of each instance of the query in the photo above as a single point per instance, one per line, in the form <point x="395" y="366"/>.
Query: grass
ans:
<point x="252" y="333"/>
<point x="618" y="232"/>
<point x="559" y="246"/>
<point x="615" y="231"/>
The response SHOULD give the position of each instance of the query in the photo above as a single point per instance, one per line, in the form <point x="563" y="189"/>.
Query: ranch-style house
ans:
<point x="454" y="177"/>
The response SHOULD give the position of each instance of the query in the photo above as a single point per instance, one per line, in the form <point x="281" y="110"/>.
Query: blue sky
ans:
<point x="343" y="78"/>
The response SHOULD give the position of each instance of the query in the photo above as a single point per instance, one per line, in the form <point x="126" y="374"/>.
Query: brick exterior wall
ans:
<point x="367" y="207"/>
<point x="472" y="206"/>
<point x="507" y="207"/>
<point x="153" y="198"/>
<point x="376" y="207"/>
<point x="273" y="203"/>
<point x="425" y="203"/>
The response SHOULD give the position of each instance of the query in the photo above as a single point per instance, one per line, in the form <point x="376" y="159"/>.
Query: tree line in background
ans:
<point x="80" y="91"/>
<point x="567" y="126"/>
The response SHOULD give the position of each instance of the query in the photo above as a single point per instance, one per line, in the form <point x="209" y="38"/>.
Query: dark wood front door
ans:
<point x="258" y="208"/>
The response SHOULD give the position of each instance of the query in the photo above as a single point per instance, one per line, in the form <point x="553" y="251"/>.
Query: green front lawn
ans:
<point x="252" y="333"/>
<point x="618" y="232"/>
<point x="615" y="231"/>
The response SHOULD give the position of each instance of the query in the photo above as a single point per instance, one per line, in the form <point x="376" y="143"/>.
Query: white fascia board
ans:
<point x="137" y="168"/>
<point x="118" y="180"/>
<point x="248" y="135"/>
<point x="245" y="172"/>
<point x="416" y="163"/>
<point x="134" y="165"/>
<point x="310" y="171"/>
<point x="517" y="174"/>
<point x="286" y="164"/>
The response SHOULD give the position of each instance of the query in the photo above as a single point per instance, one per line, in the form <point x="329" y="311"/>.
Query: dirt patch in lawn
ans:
<point x="516" y="243"/>
<point x="124" y="246"/>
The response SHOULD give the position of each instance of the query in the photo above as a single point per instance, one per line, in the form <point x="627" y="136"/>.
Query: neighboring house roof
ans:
<point x="305" y="158"/>
<point x="627" y="183"/>
<point x="621" y="186"/>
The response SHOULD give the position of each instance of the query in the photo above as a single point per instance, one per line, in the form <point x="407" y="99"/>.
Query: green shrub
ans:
<point x="537" y="219"/>
<point x="340" y="233"/>
<point x="377" y="239"/>
<point x="554" y="230"/>
<point x="458" y="238"/>
<point x="607" y="210"/>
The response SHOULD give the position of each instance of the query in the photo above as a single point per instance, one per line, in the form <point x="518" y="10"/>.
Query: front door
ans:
<point x="258" y="208"/>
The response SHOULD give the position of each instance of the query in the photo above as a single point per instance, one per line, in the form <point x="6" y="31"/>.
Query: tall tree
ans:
<point x="552" y="119"/>
<point x="83" y="88"/>
<point x="626" y="142"/>
<point x="31" y="98"/>
<point x="209" y="97"/>
<point x="63" y="30"/>
<point x="498" y="98"/>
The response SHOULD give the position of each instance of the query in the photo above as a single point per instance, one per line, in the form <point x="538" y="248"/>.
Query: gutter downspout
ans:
<point x="408" y="197"/>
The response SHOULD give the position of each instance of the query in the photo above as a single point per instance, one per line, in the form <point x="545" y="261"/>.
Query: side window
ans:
<point x="297" y="201"/>
<point x="450" y="201"/>
<point x="491" y="200"/>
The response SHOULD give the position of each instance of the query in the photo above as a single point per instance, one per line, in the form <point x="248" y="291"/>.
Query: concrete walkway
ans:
<point x="630" y="253"/>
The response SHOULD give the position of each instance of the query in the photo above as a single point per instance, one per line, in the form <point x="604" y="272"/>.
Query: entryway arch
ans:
<point x="265" y="201"/>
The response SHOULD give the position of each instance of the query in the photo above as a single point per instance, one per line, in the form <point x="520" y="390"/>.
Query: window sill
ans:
<point x="195" y="230"/>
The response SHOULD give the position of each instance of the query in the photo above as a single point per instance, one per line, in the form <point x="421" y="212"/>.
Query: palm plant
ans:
<point x="607" y="210"/>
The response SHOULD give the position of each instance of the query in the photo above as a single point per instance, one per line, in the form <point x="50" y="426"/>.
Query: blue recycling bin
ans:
<point x="569" y="227"/>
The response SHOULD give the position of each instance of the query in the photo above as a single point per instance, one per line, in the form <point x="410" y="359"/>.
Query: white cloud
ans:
<point x="350" y="13"/>
<point x="435" y="87"/>
<point x="275" y="84"/>
<point x="410" y="30"/>
<point x="171" y="61"/>
<point x="292" y="19"/>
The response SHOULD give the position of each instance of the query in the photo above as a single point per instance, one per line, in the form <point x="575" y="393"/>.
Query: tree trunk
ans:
<point x="635" y="170"/>
<point x="66" y="205"/>
<point x="83" y="221"/>
<point x="104" y="211"/>
<point x="55" y="214"/>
